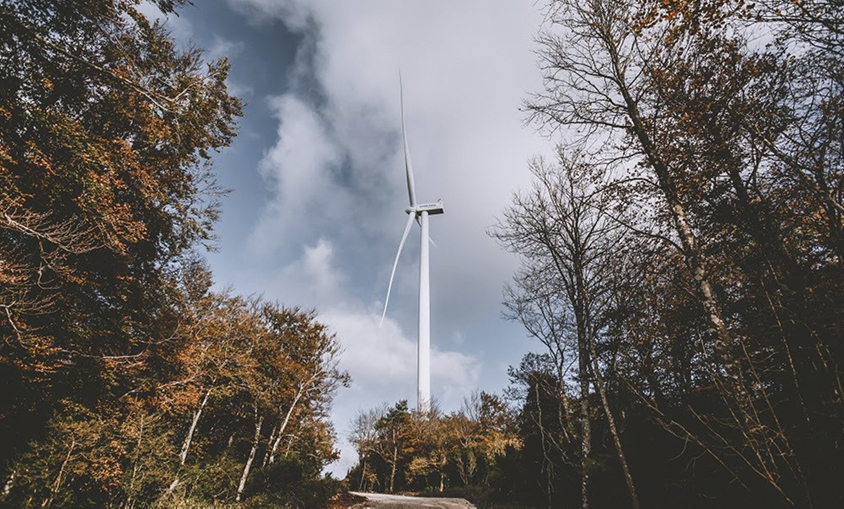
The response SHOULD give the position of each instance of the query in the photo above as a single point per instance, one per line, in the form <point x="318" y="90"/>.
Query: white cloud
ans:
<point x="221" y="47"/>
<point x="338" y="160"/>
<point x="311" y="280"/>
<point x="300" y="169"/>
<point x="384" y="360"/>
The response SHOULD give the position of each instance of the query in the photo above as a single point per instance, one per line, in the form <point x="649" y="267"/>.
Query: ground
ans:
<point x="378" y="500"/>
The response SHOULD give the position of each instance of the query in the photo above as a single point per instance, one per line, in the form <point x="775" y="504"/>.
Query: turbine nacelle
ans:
<point x="430" y="208"/>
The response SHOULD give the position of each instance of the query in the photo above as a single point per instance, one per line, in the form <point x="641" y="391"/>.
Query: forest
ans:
<point x="127" y="381"/>
<point x="681" y="278"/>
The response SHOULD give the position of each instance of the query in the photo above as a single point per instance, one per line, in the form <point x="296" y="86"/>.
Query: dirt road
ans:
<point x="378" y="500"/>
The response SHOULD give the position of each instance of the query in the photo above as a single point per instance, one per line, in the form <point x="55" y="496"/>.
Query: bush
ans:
<point x="291" y="483"/>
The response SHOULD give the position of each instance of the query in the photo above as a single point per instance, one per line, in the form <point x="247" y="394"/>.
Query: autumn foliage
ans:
<point x="400" y="450"/>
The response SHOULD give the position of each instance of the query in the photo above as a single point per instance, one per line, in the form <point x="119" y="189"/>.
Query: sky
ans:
<point x="316" y="208"/>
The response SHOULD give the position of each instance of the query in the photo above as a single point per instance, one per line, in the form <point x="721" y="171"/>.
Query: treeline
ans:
<point x="403" y="450"/>
<point x="682" y="257"/>
<point x="126" y="380"/>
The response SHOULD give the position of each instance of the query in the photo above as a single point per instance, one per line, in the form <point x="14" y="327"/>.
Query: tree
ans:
<point x="106" y="133"/>
<point x="131" y="381"/>
<point x="564" y="233"/>
<point x="363" y="436"/>
<point x="432" y="440"/>
<point x="384" y="440"/>
<point x="391" y="447"/>
<point x="547" y="468"/>
<point x="398" y="449"/>
<point x="295" y="380"/>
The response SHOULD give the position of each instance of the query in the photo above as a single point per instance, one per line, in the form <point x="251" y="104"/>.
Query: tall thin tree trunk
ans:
<point x="362" y="484"/>
<point x="733" y="387"/>
<point x="273" y="434"/>
<point x="284" y="423"/>
<point x="585" y="426"/>
<point x="189" y="438"/>
<point x="183" y="455"/>
<point x="393" y="467"/>
<point x="56" y="485"/>
<point x="599" y="384"/>
<point x="691" y="251"/>
<point x="547" y="464"/>
<point x="248" y="466"/>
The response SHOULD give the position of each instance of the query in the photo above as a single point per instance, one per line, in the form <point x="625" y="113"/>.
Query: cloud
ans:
<point x="221" y="47"/>
<point x="311" y="280"/>
<point x="294" y="13"/>
<point x="381" y="359"/>
<point x="300" y="169"/>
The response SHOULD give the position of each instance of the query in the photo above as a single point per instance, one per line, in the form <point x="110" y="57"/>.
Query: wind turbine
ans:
<point x="418" y="212"/>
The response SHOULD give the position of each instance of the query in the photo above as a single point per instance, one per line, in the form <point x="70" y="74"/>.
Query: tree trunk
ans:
<point x="585" y="425"/>
<point x="56" y="485"/>
<point x="183" y="455"/>
<point x="599" y="384"/>
<point x="248" y="466"/>
<point x="733" y="387"/>
<point x="578" y="300"/>
<point x="362" y="484"/>
<point x="691" y="251"/>
<point x="283" y="426"/>
<point x="186" y="446"/>
<point x="393" y="467"/>
<point x="273" y="434"/>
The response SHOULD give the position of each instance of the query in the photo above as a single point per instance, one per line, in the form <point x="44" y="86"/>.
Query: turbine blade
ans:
<point x="411" y="190"/>
<point x="395" y="264"/>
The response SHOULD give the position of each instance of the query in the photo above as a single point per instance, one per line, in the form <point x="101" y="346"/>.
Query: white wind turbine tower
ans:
<point x="418" y="212"/>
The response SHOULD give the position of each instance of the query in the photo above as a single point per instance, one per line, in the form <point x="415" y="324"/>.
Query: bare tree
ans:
<point x="567" y="240"/>
<point x="363" y="436"/>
